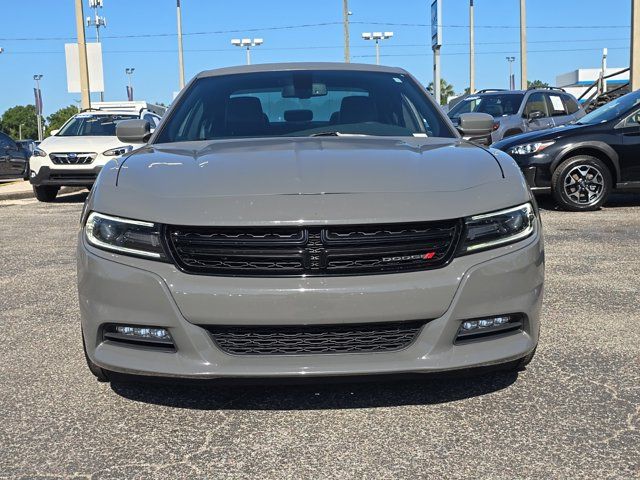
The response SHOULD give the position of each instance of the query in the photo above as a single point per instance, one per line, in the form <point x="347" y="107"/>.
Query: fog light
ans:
<point x="149" y="336"/>
<point x="481" y="327"/>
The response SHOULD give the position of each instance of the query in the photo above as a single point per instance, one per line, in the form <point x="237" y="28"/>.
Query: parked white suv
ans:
<point x="74" y="155"/>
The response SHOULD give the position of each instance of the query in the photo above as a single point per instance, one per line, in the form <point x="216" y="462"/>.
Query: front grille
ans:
<point x="74" y="176"/>
<point x="313" y="251"/>
<point x="315" y="340"/>
<point x="72" y="158"/>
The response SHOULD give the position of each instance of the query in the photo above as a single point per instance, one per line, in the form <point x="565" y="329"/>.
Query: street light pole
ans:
<point x="247" y="43"/>
<point x="377" y="36"/>
<point x="37" y="78"/>
<point x="523" y="44"/>
<point x="129" y="72"/>
<point x="180" y="52"/>
<point x="82" y="57"/>
<point x="345" y="20"/>
<point x="511" y="81"/>
<point x="472" y="50"/>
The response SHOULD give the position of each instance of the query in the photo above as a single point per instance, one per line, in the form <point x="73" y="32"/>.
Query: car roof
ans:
<point x="281" y="67"/>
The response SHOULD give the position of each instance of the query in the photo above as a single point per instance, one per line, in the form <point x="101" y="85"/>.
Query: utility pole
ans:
<point x="129" y="72"/>
<point x="97" y="21"/>
<point x="523" y="44"/>
<point x="180" y="53"/>
<point x="472" y="50"/>
<point x="82" y="57"/>
<point x="38" y="96"/>
<point x="634" y="64"/>
<point x="345" y="20"/>
<point x="436" y="43"/>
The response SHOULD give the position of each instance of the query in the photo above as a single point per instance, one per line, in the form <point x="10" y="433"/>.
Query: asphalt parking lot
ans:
<point x="574" y="413"/>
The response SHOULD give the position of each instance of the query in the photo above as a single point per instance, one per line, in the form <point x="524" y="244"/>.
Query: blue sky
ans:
<point x="555" y="44"/>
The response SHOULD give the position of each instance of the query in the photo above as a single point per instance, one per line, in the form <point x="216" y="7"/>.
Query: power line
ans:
<point x="492" y="53"/>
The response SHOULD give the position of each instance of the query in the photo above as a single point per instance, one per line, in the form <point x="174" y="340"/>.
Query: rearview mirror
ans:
<point x="474" y="125"/>
<point x="133" y="131"/>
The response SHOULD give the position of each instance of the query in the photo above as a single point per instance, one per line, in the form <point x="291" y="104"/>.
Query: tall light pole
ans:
<point x="129" y="72"/>
<point x="604" y="70"/>
<point x="634" y="72"/>
<point x="512" y="85"/>
<point x="345" y="21"/>
<point x="472" y="50"/>
<point x="82" y="57"/>
<point x="180" y="52"/>
<point x="247" y="43"/>
<point x="377" y="36"/>
<point x="523" y="45"/>
<point x="97" y="21"/>
<point x="38" y="96"/>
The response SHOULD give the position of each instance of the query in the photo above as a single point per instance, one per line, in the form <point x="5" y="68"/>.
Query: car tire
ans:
<point x="100" y="373"/>
<point x="45" y="193"/>
<point x="581" y="183"/>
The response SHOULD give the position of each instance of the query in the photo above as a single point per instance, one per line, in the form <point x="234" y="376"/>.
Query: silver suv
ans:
<point x="519" y="111"/>
<point x="306" y="220"/>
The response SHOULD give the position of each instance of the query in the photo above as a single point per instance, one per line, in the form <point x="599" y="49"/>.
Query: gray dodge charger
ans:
<point x="310" y="219"/>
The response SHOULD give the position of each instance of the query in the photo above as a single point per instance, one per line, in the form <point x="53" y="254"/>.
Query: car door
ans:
<point x="629" y="152"/>
<point x="537" y="102"/>
<point x="5" y="155"/>
<point x="557" y="109"/>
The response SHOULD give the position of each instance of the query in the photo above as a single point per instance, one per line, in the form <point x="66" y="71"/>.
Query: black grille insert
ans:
<point x="314" y="340"/>
<point x="313" y="251"/>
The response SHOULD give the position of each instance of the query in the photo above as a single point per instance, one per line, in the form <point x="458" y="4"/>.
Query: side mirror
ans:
<point x="133" y="131"/>
<point x="54" y="132"/>
<point x="475" y="125"/>
<point x="535" y="115"/>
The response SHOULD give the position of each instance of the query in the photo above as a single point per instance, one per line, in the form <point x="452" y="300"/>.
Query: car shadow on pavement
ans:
<point x="615" y="200"/>
<point x="316" y="394"/>
<point x="76" y="197"/>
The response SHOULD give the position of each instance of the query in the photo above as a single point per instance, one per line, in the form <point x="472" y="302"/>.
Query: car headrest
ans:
<point x="358" y="109"/>
<point x="494" y="110"/>
<point x="244" y="110"/>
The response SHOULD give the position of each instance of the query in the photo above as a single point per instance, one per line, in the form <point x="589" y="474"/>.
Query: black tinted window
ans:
<point x="5" y="141"/>
<point x="556" y="105"/>
<point x="571" y="104"/>
<point x="302" y="103"/>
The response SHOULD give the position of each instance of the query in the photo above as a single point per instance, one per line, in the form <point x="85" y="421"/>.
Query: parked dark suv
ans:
<point x="519" y="111"/>
<point x="13" y="158"/>
<point x="581" y="164"/>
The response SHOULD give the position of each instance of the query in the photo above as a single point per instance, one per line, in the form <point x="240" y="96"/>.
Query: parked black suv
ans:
<point x="13" y="158"/>
<point x="580" y="164"/>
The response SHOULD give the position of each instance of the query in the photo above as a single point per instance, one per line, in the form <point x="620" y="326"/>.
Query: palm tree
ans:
<point x="446" y="91"/>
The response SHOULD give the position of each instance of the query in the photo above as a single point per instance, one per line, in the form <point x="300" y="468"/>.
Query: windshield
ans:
<point x="85" y="124"/>
<point x="611" y="110"/>
<point x="303" y="103"/>
<point x="495" y="105"/>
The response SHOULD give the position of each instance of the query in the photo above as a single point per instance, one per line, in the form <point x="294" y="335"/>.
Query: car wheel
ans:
<point x="99" y="372"/>
<point x="45" y="193"/>
<point x="581" y="183"/>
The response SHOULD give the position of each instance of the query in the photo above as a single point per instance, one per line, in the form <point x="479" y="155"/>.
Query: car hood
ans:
<point x="85" y="144"/>
<point x="540" y="135"/>
<point x="316" y="180"/>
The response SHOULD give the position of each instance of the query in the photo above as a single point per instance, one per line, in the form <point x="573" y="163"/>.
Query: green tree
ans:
<point x="446" y="91"/>
<point x="24" y="115"/>
<point x="57" y="119"/>
<point x="537" y="84"/>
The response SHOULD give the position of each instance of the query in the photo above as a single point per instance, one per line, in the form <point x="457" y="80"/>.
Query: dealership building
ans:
<point x="576" y="82"/>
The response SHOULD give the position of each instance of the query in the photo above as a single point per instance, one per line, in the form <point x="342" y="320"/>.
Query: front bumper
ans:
<point x="65" y="176"/>
<point x="117" y="289"/>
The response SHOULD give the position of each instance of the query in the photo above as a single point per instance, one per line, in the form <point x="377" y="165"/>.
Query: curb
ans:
<point x="29" y="193"/>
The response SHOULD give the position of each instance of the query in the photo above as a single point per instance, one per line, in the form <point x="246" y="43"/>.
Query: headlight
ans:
<point x="529" y="148"/>
<point x="118" y="151"/>
<point x="122" y="235"/>
<point x="498" y="228"/>
<point x="39" y="153"/>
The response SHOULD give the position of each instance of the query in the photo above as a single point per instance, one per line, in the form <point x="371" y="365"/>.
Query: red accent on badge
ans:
<point x="429" y="255"/>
